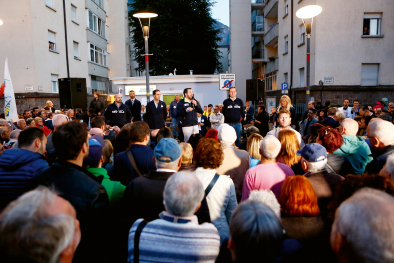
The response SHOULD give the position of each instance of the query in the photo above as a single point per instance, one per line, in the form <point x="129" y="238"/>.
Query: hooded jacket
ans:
<point x="356" y="150"/>
<point x="17" y="167"/>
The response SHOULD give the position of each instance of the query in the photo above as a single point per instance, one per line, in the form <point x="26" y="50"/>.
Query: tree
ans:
<point x="182" y="37"/>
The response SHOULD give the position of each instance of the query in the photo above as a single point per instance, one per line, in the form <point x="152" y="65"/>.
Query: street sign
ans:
<point x="226" y="81"/>
<point x="328" y="80"/>
<point x="285" y="88"/>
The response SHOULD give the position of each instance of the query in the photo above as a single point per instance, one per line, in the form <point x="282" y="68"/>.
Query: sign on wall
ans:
<point x="139" y="89"/>
<point x="328" y="80"/>
<point x="285" y="88"/>
<point x="226" y="81"/>
<point x="270" y="103"/>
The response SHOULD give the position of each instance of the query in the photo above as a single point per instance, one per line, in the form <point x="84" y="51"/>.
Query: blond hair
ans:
<point x="107" y="151"/>
<point x="289" y="147"/>
<point x="288" y="100"/>
<point x="187" y="152"/>
<point x="253" y="145"/>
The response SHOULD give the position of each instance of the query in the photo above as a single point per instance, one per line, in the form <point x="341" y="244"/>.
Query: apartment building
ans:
<point x="34" y="40"/>
<point x="352" y="55"/>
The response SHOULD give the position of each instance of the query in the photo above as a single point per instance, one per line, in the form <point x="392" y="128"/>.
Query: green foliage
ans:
<point x="182" y="37"/>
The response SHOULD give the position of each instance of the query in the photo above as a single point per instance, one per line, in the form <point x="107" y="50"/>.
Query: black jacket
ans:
<point x="233" y="110"/>
<point x="97" y="105"/>
<point x="135" y="109"/>
<point x="329" y="121"/>
<point x="118" y="117"/>
<point x="263" y="126"/>
<point x="188" y="118"/>
<point x="156" y="116"/>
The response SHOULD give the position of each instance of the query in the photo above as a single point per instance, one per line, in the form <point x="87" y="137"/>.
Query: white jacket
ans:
<point x="347" y="112"/>
<point x="216" y="120"/>
<point x="221" y="199"/>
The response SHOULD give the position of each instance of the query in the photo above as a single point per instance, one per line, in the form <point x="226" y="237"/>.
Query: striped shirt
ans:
<point x="164" y="241"/>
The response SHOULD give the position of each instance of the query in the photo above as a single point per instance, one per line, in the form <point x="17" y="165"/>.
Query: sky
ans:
<point x="220" y="11"/>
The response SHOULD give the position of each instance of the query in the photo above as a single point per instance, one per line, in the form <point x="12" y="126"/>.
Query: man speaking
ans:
<point x="187" y="110"/>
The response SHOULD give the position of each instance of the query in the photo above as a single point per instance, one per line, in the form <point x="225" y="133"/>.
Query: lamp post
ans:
<point x="145" y="32"/>
<point x="308" y="12"/>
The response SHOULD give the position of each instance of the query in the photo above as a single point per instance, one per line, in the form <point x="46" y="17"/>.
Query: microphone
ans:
<point x="192" y="101"/>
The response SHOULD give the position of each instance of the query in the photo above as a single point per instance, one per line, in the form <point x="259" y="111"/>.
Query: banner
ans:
<point x="9" y="96"/>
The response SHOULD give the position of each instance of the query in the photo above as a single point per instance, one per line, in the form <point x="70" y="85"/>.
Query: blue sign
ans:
<point x="228" y="84"/>
<point x="285" y="88"/>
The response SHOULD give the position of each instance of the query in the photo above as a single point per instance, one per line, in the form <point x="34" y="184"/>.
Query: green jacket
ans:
<point x="357" y="151"/>
<point x="114" y="189"/>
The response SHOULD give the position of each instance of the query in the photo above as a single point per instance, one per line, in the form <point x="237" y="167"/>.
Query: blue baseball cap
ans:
<point x="313" y="153"/>
<point x="168" y="148"/>
<point x="96" y="145"/>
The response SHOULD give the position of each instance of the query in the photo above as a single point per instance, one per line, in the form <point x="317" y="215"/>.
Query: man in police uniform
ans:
<point x="187" y="109"/>
<point x="233" y="110"/>
<point x="117" y="113"/>
<point x="156" y="112"/>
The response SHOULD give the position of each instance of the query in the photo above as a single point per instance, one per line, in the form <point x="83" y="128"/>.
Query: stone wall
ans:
<point x="336" y="94"/>
<point x="26" y="101"/>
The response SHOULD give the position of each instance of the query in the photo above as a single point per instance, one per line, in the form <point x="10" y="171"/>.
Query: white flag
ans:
<point x="9" y="96"/>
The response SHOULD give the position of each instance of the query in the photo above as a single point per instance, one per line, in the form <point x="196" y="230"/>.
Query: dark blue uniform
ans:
<point x="188" y="118"/>
<point x="156" y="116"/>
<point x="233" y="110"/>
<point x="115" y="116"/>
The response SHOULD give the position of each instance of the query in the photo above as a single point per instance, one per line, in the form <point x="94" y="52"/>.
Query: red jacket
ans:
<point x="46" y="130"/>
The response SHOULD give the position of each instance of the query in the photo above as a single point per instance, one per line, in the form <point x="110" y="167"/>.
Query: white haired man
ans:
<point x="39" y="227"/>
<point x="313" y="162"/>
<point x="363" y="230"/>
<point x="176" y="236"/>
<point x="236" y="162"/>
<point x="354" y="148"/>
<point x="388" y="168"/>
<point x="269" y="174"/>
<point x="57" y="120"/>
<point x="266" y="197"/>
<point x="381" y="137"/>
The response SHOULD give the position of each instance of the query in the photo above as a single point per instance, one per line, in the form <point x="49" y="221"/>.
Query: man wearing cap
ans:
<point x="95" y="161"/>
<point x="313" y="162"/>
<point x="144" y="195"/>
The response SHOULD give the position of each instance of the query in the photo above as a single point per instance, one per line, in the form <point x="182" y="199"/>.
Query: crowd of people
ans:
<point x="190" y="183"/>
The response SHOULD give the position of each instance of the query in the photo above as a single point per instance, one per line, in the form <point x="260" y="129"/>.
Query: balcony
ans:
<point x="271" y="8"/>
<point x="258" y="26"/>
<point x="272" y="66"/>
<point x="271" y="37"/>
<point x="257" y="54"/>
<point x="258" y="4"/>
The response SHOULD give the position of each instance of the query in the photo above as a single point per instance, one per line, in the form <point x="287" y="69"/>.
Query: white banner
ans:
<point x="9" y="96"/>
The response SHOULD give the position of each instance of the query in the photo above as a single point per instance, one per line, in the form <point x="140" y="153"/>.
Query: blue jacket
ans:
<point x="117" y="116"/>
<point x="156" y="117"/>
<point x="329" y="121"/>
<point x="135" y="109"/>
<point x="173" y="109"/>
<point x="124" y="172"/>
<point x="17" y="167"/>
<point x="204" y="121"/>
<point x="305" y="132"/>
<point x="249" y="115"/>
<point x="188" y="118"/>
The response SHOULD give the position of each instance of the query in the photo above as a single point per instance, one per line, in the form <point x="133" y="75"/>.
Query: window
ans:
<point x="302" y="34"/>
<point x="73" y="13"/>
<point x="54" y="83"/>
<point x="98" y="84"/>
<point x="52" y="40"/>
<point x="286" y="44"/>
<point x="98" y="55"/>
<point x="76" y="49"/>
<point x="286" y="7"/>
<point x="49" y="3"/>
<point x="370" y="75"/>
<point x="302" y="78"/>
<point x="270" y="81"/>
<point x="286" y="77"/>
<point x="96" y="24"/>
<point x="372" y="24"/>
<point x="99" y="3"/>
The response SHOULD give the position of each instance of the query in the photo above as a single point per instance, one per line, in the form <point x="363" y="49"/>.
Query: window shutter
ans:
<point x="369" y="74"/>
<point x="51" y="37"/>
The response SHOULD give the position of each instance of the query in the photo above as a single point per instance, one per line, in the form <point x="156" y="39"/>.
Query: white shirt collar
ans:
<point x="165" y="170"/>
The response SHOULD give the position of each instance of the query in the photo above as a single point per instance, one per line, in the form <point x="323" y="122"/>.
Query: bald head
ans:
<point x="350" y="127"/>
<point x="381" y="130"/>
<point x="363" y="230"/>
<point x="58" y="120"/>
<point x="270" y="147"/>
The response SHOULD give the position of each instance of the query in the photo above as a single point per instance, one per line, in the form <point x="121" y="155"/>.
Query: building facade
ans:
<point x="34" y="40"/>
<point x="351" y="49"/>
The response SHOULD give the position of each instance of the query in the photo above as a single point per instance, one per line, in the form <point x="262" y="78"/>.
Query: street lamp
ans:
<point x="145" y="32"/>
<point x="1" y="22"/>
<point x="308" y="12"/>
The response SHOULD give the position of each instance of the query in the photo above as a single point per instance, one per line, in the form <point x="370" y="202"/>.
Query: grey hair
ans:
<point x="383" y="130"/>
<point x="390" y="165"/>
<point x="270" y="147"/>
<point x="58" y="120"/>
<point x="167" y="165"/>
<point x="341" y="116"/>
<point x="314" y="167"/>
<point x="29" y="231"/>
<point x="19" y="121"/>
<point x="365" y="221"/>
<point x="255" y="229"/>
<point x="183" y="193"/>
<point x="266" y="197"/>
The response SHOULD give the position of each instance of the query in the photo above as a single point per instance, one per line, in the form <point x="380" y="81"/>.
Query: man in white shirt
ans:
<point x="216" y="118"/>
<point x="346" y="109"/>
<point x="284" y="120"/>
